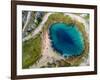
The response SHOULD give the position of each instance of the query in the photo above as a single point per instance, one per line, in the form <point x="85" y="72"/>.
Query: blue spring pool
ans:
<point x="66" y="39"/>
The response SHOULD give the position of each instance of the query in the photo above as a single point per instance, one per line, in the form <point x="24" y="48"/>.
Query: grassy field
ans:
<point x="31" y="51"/>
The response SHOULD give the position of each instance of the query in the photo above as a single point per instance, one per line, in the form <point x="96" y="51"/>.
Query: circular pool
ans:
<point x="66" y="39"/>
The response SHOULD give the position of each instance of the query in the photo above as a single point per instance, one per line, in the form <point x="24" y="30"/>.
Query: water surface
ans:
<point x="66" y="39"/>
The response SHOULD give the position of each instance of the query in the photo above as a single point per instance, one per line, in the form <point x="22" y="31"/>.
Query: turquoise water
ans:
<point x="66" y="39"/>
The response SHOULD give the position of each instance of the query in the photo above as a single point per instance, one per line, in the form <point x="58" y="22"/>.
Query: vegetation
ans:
<point x="31" y="51"/>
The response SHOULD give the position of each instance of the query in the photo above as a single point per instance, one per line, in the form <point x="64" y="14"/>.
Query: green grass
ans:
<point x="31" y="51"/>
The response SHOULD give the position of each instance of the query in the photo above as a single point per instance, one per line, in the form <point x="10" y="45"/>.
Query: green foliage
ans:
<point x="31" y="51"/>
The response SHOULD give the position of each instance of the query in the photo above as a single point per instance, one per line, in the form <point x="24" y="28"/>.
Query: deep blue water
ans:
<point x="66" y="39"/>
